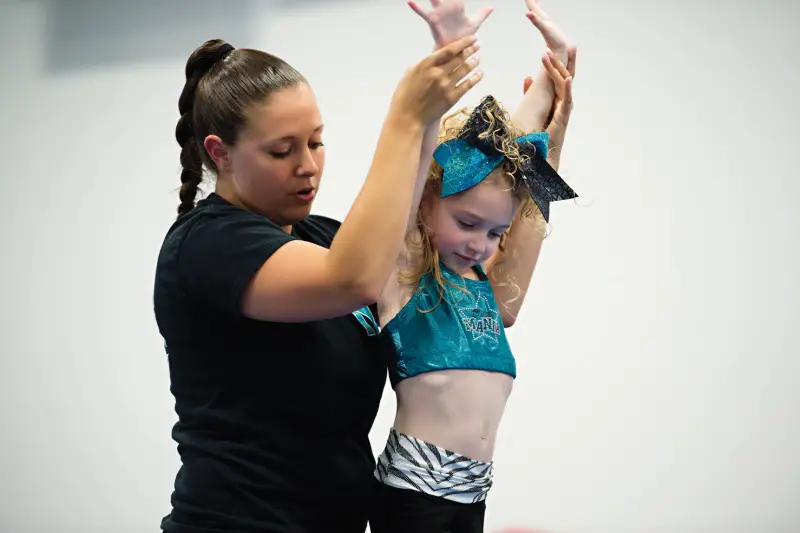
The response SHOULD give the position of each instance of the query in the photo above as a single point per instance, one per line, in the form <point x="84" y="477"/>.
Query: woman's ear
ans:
<point x="217" y="151"/>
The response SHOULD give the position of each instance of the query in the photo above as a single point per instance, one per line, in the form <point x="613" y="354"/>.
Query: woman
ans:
<point x="264" y="307"/>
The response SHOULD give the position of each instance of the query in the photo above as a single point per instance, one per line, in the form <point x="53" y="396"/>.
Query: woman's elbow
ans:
<point x="365" y="292"/>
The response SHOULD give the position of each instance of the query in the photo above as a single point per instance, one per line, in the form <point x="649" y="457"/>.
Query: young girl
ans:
<point x="469" y="256"/>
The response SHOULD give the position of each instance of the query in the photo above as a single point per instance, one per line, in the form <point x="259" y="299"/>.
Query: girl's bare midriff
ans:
<point x="458" y="410"/>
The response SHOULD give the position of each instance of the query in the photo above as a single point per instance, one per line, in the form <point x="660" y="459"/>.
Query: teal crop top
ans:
<point x="464" y="331"/>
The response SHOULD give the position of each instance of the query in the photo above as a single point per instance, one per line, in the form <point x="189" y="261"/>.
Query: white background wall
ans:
<point x="658" y="354"/>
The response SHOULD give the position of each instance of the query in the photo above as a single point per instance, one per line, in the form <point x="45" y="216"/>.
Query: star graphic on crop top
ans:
<point x="481" y="319"/>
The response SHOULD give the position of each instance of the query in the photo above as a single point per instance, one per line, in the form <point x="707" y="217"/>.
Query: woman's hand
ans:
<point x="431" y="87"/>
<point x="562" y="81"/>
<point x="448" y="20"/>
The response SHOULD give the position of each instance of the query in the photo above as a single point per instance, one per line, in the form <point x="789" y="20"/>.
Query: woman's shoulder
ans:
<point x="217" y="224"/>
<point x="321" y="221"/>
<point x="318" y="229"/>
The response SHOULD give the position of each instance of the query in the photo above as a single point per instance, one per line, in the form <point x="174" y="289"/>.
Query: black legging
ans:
<point x="408" y="511"/>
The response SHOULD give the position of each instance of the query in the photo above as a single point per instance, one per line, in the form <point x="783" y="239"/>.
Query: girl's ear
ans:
<point x="428" y="202"/>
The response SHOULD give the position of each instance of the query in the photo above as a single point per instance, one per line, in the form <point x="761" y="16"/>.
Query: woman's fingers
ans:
<point x="566" y="98"/>
<point x="558" y="65"/>
<point x="572" y="56"/>
<point x="555" y="75"/>
<point x="465" y="86"/>
<point x="456" y="52"/>
<point x="463" y="70"/>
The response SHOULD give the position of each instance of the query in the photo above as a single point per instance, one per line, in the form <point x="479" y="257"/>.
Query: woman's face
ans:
<point x="276" y="165"/>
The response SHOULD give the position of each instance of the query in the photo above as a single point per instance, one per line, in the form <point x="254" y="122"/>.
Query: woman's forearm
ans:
<point x="367" y="245"/>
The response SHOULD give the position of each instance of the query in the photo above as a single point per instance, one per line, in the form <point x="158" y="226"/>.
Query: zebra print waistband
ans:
<point x="409" y="463"/>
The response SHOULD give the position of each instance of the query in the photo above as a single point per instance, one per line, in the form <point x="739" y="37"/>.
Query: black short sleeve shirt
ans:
<point x="273" y="417"/>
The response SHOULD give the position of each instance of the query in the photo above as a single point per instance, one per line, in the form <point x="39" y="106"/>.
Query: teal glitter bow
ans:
<point x="469" y="158"/>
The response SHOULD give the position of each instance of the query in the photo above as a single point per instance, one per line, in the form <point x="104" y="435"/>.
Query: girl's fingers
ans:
<point x="481" y="16"/>
<point x="418" y="10"/>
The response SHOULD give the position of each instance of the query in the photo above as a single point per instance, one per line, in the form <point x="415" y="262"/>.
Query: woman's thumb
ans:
<point x="527" y="84"/>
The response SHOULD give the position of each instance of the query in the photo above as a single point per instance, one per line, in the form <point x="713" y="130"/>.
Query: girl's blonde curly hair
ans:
<point x="419" y="242"/>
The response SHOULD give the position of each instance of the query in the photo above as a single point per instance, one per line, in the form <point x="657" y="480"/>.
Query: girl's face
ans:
<point x="465" y="228"/>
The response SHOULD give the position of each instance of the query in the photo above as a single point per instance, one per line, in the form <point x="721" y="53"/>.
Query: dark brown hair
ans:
<point x="222" y="84"/>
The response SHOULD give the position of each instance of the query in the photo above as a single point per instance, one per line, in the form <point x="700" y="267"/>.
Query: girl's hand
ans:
<point x="448" y="20"/>
<point x="554" y="38"/>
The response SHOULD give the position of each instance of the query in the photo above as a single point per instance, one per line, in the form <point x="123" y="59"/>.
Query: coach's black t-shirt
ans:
<point x="273" y="417"/>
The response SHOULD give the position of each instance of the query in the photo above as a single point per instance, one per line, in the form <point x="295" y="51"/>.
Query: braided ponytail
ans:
<point x="199" y="63"/>
<point x="192" y="173"/>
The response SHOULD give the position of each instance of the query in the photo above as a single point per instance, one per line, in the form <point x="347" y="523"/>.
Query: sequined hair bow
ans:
<point x="469" y="158"/>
